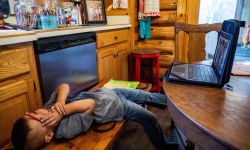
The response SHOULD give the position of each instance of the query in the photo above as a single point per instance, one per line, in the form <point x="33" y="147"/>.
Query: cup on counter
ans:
<point x="48" y="22"/>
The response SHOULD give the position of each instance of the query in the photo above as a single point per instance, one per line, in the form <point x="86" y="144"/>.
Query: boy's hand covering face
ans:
<point x="60" y="107"/>
<point x="52" y="119"/>
<point x="33" y="116"/>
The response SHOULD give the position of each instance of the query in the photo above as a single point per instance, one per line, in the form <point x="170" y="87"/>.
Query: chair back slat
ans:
<point x="190" y="41"/>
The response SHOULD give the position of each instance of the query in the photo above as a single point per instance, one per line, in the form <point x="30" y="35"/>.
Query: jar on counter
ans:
<point x="26" y="12"/>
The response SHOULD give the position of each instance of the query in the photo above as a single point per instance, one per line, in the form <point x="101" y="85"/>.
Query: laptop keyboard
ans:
<point x="201" y="73"/>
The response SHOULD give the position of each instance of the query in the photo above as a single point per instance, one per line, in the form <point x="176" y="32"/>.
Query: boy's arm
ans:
<point x="63" y="90"/>
<point x="81" y="106"/>
<point x="62" y="94"/>
<point x="86" y="106"/>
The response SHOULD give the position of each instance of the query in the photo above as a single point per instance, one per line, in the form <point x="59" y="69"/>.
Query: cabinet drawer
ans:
<point x="13" y="62"/>
<point x="12" y="90"/>
<point x="111" y="37"/>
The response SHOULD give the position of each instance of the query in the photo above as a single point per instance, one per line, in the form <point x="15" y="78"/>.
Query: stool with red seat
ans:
<point x="137" y="57"/>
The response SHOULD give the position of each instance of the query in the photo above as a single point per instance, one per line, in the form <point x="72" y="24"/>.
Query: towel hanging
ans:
<point x="145" y="28"/>
<point x="147" y="9"/>
<point x="151" y="8"/>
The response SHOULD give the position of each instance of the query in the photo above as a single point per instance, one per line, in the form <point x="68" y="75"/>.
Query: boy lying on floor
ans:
<point x="66" y="116"/>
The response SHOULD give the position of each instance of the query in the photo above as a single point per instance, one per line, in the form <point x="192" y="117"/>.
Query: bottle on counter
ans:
<point x="75" y="18"/>
<point x="79" y="14"/>
<point x="79" y="6"/>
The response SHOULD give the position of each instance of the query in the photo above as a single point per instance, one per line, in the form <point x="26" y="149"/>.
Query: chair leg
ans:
<point x="137" y="70"/>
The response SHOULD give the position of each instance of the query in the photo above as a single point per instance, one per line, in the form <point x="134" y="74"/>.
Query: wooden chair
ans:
<point x="190" y="41"/>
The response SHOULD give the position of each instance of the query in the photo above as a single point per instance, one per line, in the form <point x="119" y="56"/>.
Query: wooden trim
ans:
<point x="181" y="11"/>
<point x="193" y="8"/>
<point x="35" y="82"/>
<point x="17" y="35"/>
<point x="181" y="17"/>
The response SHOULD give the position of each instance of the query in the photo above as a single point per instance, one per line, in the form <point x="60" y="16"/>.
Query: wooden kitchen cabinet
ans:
<point x="112" y="55"/>
<point x="19" y="87"/>
<point x="122" y="62"/>
<point x="113" y="62"/>
<point x="106" y="64"/>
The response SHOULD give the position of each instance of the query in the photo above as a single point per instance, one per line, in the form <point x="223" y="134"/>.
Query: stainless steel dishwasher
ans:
<point x="66" y="59"/>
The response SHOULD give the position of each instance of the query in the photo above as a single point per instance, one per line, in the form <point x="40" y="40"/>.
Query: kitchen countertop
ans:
<point x="19" y="36"/>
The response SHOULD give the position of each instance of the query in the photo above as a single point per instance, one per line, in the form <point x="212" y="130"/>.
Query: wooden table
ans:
<point x="212" y="118"/>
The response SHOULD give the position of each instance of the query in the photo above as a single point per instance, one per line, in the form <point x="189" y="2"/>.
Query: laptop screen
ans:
<point x="222" y="52"/>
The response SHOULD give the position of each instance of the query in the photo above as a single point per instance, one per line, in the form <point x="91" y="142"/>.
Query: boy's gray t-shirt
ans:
<point x="108" y="108"/>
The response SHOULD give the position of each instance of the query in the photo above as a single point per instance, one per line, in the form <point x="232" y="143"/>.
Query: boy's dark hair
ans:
<point x="19" y="133"/>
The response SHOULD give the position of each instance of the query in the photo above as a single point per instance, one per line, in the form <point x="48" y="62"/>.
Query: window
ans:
<point x="213" y="11"/>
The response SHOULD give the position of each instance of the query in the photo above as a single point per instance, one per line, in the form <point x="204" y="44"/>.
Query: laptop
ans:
<point x="216" y="74"/>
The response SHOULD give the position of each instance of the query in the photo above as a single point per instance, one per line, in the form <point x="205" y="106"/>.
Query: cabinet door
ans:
<point x="13" y="104"/>
<point x="122" y="61"/>
<point x="106" y="62"/>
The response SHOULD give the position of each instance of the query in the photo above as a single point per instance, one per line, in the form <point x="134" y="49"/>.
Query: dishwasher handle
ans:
<point x="46" y="45"/>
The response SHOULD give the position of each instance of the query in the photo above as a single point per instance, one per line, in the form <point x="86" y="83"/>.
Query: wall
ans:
<point x="163" y="31"/>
